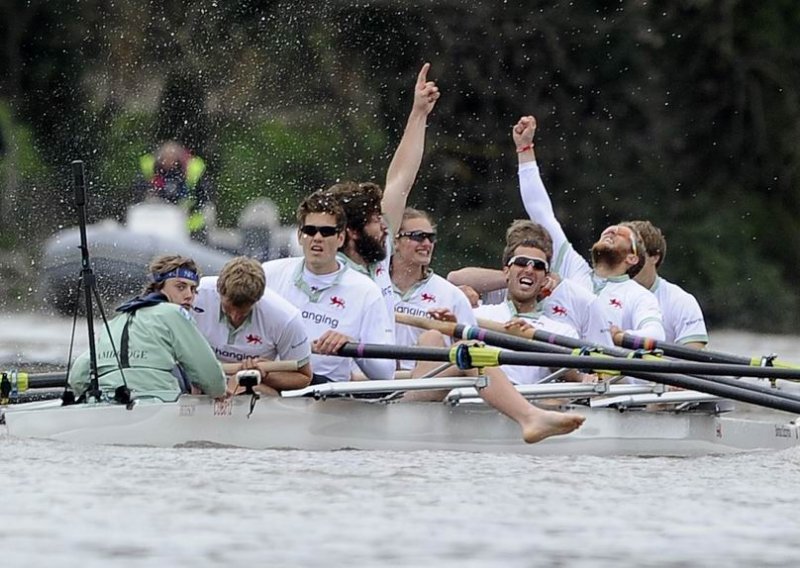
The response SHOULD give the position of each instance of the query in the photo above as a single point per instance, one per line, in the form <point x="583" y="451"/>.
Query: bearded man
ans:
<point x="617" y="256"/>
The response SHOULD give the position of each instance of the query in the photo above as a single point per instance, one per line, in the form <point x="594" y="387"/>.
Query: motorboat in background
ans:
<point x="121" y="252"/>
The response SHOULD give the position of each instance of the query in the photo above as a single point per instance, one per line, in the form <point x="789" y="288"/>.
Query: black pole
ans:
<point x="682" y="352"/>
<point x="87" y="275"/>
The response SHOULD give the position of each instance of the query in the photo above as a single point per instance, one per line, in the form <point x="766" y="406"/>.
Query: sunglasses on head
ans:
<point x="418" y="236"/>
<point x="324" y="230"/>
<point x="524" y="261"/>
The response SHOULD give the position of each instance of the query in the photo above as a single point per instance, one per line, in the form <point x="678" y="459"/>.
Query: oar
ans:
<point x="657" y="364"/>
<point x="504" y="340"/>
<point x="466" y="356"/>
<point x="20" y="381"/>
<point x="544" y="343"/>
<point x="13" y="383"/>
<point x="24" y="381"/>
<point x="556" y="339"/>
<point x="682" y="352"/>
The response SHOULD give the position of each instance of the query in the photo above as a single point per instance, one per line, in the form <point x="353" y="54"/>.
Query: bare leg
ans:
<point x="536" y="423"/>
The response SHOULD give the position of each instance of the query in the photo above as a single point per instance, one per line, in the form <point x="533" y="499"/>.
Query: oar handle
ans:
<point x="449" y="328"/>
<point x="630" y="341"/>
<point x="501" y="328"/>
<point x="277" y="366"/>
<point x="445" y="327"/>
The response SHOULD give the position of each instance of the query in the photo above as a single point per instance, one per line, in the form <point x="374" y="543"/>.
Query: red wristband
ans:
<point x="524" y="148"/>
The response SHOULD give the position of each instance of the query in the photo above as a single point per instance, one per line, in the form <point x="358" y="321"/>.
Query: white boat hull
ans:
<point x="336" y="424"/>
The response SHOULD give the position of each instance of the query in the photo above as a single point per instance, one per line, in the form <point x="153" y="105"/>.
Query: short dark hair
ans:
<point x="360" y="201"/>
<point x="321" y="202"/>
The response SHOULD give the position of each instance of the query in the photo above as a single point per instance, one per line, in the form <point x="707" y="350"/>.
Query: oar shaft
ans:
<point x="631" y="341"/>
<point x="22" y="381"/>
<point x="47" y="380"/>
<point x="378" y="351"/>
<point x="595" y="361"/>
<point x="552" y="339"/>
<point x="495" y="334"/>
<point x="775" y="400"/>
<point x="488" y="331"/>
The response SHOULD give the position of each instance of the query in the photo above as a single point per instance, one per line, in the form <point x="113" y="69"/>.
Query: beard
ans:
<point x="603" y="253"/>
<point x="370" y="248"/>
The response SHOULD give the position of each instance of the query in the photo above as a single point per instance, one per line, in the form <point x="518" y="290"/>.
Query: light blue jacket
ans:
<point x="161" y="338"/>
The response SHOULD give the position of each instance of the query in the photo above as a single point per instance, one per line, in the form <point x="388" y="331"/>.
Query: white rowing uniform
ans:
<point x="630" y="306"/>
<point x="345" y="301"/>
<point x="683" y="318"/>
<point x="273" y="330"/>
<point x="572" y="304"/>
<point x="524" y="374"/>
<point x="433" y="291"/>
<point x="378" y="272"/>
<point x="621" y="299"/>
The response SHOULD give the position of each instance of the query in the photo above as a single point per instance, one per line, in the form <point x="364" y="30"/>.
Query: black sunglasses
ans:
<point x="523" y="261"/>
<point x="418" y="236"/>
<point x="324" y="230"/>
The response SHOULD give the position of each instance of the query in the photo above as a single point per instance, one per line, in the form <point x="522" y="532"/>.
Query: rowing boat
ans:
<point x="620" y="418"/>
<point x="620" y="421"/>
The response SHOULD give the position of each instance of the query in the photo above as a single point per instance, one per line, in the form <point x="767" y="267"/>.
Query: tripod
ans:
<point x="88" y="284"/>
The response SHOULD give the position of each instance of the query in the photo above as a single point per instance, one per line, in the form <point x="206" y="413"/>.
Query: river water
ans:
<point x="132" y="507"/>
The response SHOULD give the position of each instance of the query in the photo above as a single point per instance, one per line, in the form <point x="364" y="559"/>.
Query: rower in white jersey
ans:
<point x="248" y="325"/>
<point x="526" y="268"/>
<point x="366" y="247"/>
<point x="418" y="290"/>
<point x="564" y="301"/>
<point x="373" y="215"/>
<point x="536" y="424"/>
<point x="338" y="305"/>
<point x="616" y="256"/>
<point x="683" y="319"/>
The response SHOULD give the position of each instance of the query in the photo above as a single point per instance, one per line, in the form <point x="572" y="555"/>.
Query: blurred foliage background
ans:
<point x="684" y="112"/>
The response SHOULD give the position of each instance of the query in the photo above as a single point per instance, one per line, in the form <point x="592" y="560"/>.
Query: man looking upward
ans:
<point x="616" y="256"/>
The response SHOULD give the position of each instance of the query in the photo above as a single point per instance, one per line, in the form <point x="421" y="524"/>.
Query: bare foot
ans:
<point x="546" y="423"/>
